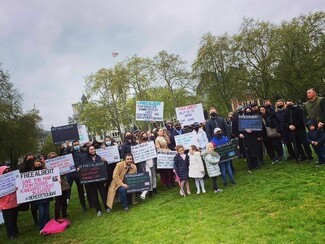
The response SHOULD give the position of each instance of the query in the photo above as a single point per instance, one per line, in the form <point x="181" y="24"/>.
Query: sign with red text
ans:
<point x="8" y="183"/>
<point x="65" y="163"/>
<point x="37" y="185"/>
<point x="92" y="172"/>
<point x="190" y="114"/>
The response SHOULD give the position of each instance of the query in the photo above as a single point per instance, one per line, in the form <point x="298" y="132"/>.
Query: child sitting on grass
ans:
<point x="181" y="163"/>
<point x="316" y="138"/>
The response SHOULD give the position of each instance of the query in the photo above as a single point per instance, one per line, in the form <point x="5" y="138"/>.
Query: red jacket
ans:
<point x="8" y="201"/>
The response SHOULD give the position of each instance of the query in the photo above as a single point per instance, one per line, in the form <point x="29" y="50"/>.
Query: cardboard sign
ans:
<point x="64" y="133"/>
<point x="92" y="172"/>
<point x="190" y="114"/>
<point x="143" y="152"/>
<point x="37" y="185"/>
<point x="149" y="111"/>
<point x="137" y="182"/>
<point x="8" y="183"/>
<point x="65" y="163"/>
<point x="250" y="122"/>
<point x="165" y="160"/>
<point x="83" y="134"/>
<point x="111" y="154"/>
<point x="228" y="151"/>
<point x="186" y="140"/>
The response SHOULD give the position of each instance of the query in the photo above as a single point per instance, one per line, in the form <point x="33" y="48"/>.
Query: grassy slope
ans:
<point x="276" y="204"/>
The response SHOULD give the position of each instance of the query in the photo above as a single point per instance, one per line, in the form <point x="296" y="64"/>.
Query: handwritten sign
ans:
<point x="65" y="133"/>
<point x="149" y="111"/>
<point x="92" y="172"/>
<point x="165" y="160"/>
<point x="83" y="134"/>
<point x="186" y="140"/>
<point x="37" y="185"/>
<point x="228" y="151"/>
<point x="143" y="152"/>
<point x="190" y="114"/>
<point x="111" y="154"/>
<point x="138" y="182"/>
<point x="65" y="163"/>
<point x="250" y="122"/>
<point x="8" y="183"/>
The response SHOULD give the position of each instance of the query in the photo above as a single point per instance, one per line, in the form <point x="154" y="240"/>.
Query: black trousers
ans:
<point x="10" y="218"/>
<point x="61" y="205"/>
<point x="75" y="178"/>
<point x="94" y="188"/>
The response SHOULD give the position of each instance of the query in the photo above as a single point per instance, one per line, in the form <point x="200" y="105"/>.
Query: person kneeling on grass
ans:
<point x="122" y="168"/>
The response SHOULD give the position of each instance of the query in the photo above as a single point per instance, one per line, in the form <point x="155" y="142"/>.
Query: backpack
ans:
<point x="55" y="226"/>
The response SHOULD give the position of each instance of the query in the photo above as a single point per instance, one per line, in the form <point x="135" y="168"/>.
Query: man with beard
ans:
<point x="214" y="122"/>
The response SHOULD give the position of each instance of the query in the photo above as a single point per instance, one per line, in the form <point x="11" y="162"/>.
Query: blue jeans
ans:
<point x="225" y="167"/>
<point x="123" y="196"/>
<point x="43" y="212"/>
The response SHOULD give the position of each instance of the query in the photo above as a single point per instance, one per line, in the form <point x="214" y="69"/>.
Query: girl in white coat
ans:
<point x="196" y="168"/>
<point x="211" y="159"/>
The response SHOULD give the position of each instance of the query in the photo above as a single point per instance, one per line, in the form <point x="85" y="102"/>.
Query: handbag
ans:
<point x="272" y="132"/>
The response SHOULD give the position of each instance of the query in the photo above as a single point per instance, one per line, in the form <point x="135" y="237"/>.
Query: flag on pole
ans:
<point x="114" y="54"/>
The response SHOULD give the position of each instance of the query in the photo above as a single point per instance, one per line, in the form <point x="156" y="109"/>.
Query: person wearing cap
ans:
<point x="214" y="122"/>
<point x="199" y="136"/>
<point x="219" y="140"/>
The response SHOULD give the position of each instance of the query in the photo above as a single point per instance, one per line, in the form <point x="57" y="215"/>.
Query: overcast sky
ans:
<point x="49" y="47"/>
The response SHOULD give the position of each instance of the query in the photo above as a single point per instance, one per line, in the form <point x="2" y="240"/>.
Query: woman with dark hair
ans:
<point x="129" y="141"/>
<point x="272" y="140"/>
<point x="99" y="186"/>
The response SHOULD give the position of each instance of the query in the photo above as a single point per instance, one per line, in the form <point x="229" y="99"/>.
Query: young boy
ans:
<point x="316" y="138"/>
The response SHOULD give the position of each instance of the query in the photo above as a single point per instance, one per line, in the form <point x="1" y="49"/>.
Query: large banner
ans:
<point x="190" y="114"/>
<point x="8" y="183"/>
<point x="143" y="152"/>
<point x="186" y="140"/>
<point x="250" y="122"/>
<point x="228" y="151"/>
<point x="137" y="182"/>
<point x="64" y="133"/>
<point x="149" y="111"/>
<point x="83" y="134"/>
<point x="37" y="185"/>
<point x="165" y="160"/>
<point x="65" y="163"/>
<point x="111" y="154"/>
<point x="92" y="172"/>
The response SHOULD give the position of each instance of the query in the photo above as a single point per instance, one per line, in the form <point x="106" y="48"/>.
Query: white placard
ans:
<point x="165" y="160"/>
<point x="37" y="185"/>
<point x="190" y="114"/>
<point x="149" y="111"/>
<point x="186" y="140"/>
<point x="65" y="163"/>
<point x="8" y="183"/>
<point x="143" y="152"/>
<point x="83" y="134"/>
<point x="111" y="154"/>
<point x="1" y="218"/>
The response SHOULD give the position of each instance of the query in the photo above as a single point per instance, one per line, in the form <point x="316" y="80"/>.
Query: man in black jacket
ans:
<point x="214" y="122"/>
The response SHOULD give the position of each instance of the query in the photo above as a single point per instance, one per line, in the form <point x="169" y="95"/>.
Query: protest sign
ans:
<point x="37" y="185"/>
<point x="111" y="154"/>
<point x="137" y="182"/>
<point x="250" y="122"/>
<point x="83" y="134"/>
<point x="65" y="133"/>
<point x="65" y="163"/>
<point x="228" y="151"/>
<point x="186" y="140"/>
<point x="190" y="114"/>
<point x="165" y="160"/>
<point x="143" y="152"/>
<point x="92" y="172"/>
<point x="8" y="183"/>
<point x="149" y="111"/>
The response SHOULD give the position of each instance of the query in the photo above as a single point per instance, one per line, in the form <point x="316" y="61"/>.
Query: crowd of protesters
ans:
<point x="283" y="137"/>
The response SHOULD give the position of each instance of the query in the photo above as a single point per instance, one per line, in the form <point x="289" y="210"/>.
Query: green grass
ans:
<point x="282" y="203"/>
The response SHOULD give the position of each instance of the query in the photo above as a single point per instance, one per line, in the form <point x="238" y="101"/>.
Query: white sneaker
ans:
<point x="68" y="200"/>
<point x="217" y="191"/>
<point x="99" y="213"/>
<point x="203" y="191"/>
<point x="143" y="195"/>
<point x="198" y="192"/>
